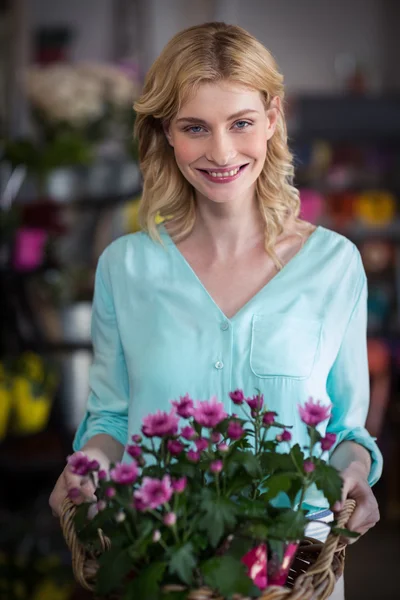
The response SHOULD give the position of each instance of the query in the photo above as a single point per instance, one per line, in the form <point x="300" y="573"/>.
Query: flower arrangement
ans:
<point x="197" y="505"/>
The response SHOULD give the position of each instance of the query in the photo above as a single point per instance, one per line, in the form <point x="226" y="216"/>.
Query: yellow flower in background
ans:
<point x="5" y="402"/>
<point x="49" y="590"/>
<point x="376" y="207"/>
<point x="30" y="413"/>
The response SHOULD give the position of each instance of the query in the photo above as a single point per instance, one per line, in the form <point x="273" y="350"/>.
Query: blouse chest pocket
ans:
<point x="284" y="346"/>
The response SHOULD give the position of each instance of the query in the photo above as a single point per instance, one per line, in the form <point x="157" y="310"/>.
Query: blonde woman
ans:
<point x="233" y="290"/>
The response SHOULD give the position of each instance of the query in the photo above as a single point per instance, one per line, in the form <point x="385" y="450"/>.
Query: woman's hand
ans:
<point x="356" y="487"/>
<point x="79" y="489"/>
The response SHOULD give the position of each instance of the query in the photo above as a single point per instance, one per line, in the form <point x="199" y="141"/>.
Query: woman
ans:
<point x="234" y="290"/>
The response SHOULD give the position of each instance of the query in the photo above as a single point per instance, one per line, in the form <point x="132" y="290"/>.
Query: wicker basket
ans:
<point x="313" y="575"/>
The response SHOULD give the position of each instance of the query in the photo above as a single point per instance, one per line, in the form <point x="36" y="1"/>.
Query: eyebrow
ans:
<point x="240" y="113"/>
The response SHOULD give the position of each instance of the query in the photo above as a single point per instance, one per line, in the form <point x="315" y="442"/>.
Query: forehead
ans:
<point x="221" y="98"/>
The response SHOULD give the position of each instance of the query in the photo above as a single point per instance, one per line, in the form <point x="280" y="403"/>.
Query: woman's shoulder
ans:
<point x="132" y="246"/>
<point x="336" y="243"/>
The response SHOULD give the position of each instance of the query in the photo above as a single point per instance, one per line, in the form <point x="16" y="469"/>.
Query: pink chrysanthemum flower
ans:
<point x="134" y="451"/>
<point x="313" y="413"/>
<point x="216" y="466"/>
<point x="193" y="456"/>
<point x="308" y="466"/>
<point x="185" y="406"/>
<point x="256" y="402"/>
<point x="124" y="473"/>
<point x="237" y="397"/>
<point x="223" y="447"/>
<point x="161" y="424"/>
<point x="328" y="441"/>
<point x="179" y="485"/>
<point x="269" y="417"/>
<point x="215" y="437"/>
<point x="235" y="430"/>
<point x="285" y="436"/>
<point x="175" y="447"/>
<point x="201" y="444"/>
<point x="188" y="432"/>
<point x="154" y="492"/>
<point x="80" y="464"/>
<point x="169" y="519"/>
<point x="209" y="413"/>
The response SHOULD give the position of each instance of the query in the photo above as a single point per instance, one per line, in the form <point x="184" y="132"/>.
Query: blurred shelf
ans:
<point x="85" y="202"/>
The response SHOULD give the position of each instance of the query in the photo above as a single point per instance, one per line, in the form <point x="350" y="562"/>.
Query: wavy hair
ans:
<point x="207" y="53"/>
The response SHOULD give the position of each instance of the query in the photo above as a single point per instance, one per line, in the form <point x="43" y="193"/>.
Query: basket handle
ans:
<point x="85" y="577"/>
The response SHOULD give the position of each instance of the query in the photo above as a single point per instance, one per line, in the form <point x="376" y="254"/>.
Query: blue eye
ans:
<point x="193" y="127"/>
<point x="242" y="124"/>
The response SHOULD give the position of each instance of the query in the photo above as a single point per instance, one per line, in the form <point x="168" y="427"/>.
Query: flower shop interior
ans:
<point x="70" y="184"/>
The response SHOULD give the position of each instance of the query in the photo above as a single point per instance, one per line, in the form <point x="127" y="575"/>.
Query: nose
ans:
<point x="221" y="150"/>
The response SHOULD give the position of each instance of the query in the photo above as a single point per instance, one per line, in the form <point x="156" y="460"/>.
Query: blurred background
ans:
<point x="70" y="184"/>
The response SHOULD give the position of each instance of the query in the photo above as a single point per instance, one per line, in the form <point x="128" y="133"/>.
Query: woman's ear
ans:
<point x="167" y="131"/>
<point x="273" y="112"/>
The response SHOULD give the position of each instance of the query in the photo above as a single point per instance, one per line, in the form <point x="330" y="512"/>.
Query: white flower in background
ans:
<point x="120" y="89"/>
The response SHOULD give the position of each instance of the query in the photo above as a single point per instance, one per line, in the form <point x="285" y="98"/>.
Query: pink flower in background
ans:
<point x="101" y="505"/>
<point x="136" y="438"/>
<point x="216" y="466"/>
<point x="110" y="492"/>
<point x="193" y="456"/>
<point x="209" y="413"/>
<point x="237" y="397"/>
<point x="235" y="430"/>
<point x="175" y="447"/>
<point x="313" y="413"/>
<point x="139" y="504"/>
<point x="134" y="451"/>
<point x="179" y="485"/>
<point x="285" y="436"/>
<point x="154" y="492"/>
<point x="124" y="473"/>
<point x="308" y="466"/>
<point x="256" y="563"/>
<point x="328" y="441"/>
<point x="201" y="444"/>
<point x="223" y="447"/>
<point x="215" y="437"/>
<point x="188" y="432"/>
<point x="256" y="402"/>
<point x="269" y="417"/>
<point x="80" y="464"/>
<point x="102" y="475"/>
<point x="156" y="535"/>
<point x="169" y="519"/>
<point x="185" y="406"/>
<point x="160" y="424"/>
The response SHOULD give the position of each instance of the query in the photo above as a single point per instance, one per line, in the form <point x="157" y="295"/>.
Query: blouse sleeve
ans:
<point x="348" y="384"/>
<point x="107" y="405"/>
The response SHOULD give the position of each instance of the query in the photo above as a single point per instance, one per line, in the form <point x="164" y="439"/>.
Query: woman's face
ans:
<point x="220" y="140"/>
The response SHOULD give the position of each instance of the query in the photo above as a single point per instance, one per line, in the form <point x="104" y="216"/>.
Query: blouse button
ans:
<point x="219" y="365"/>
<point x="224" y="325"/>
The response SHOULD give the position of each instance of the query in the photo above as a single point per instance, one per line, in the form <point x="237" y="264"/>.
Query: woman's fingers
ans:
<point x="78" y="489"/>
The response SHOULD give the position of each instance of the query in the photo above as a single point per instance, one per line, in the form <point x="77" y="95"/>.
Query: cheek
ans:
<point x="185" y="151"/>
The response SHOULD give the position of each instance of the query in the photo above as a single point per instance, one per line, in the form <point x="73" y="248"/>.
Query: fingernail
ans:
<point x="337" y="506"/>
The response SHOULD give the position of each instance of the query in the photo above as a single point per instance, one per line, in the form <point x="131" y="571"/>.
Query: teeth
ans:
<point x="225" y="173"/>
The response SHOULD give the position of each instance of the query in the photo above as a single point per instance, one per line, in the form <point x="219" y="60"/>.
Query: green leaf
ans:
<point x="227" y="575"/>
<point x="146" y="584"/>
<point x="114" y="566"/>
<point x="328" y="480"/>
<point x="183" y="563"/>
<point x="247" y="460"/>
<point x="288" y="525"/>
<point x="275" y="484"/>
<point x="219" y="516"/>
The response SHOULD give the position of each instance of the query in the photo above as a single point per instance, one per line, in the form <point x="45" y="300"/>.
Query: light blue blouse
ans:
<point x="157" y="334"/>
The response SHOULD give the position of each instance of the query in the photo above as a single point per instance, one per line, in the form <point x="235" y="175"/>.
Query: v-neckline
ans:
<point x="245" y="306"/>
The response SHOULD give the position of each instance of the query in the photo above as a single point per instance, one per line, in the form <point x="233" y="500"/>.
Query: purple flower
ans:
<point x="308" y="466"/>
<point x="201" y="444"/>
<point x="161" y="424"/>
<point x="237" y="396"/>
<point x="155" y="492"/>
<point x="169" y="519"/>
<point x="285" y="436"/>
<point x="179" y="485"/>
<point x="269" y="417"/>
<point x="185" y="406"/>
<point x="110" y="492"/>
<point x="256" y="402"/>
<point x="215" y="437"/>
<point x="235" y="430"/>
<point x="188" y="432"/>
<point x="79" y="464"/>
<point x="136" y="438"/>
<point x="193" y="456"/>
<point x="328" y="441"/>
<point x="216" y="466"/>
<point x="139" y="504"/>
<point x="175" y="447"/>
<point x="124" y="474"/>
<point x="312" y="413"/>
<point x="134" y="451"/>
<point x="209" y="413"/>
<point x="102" y="475"/>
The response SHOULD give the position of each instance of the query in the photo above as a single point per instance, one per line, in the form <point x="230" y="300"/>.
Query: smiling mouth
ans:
<point x="223" y="174"/>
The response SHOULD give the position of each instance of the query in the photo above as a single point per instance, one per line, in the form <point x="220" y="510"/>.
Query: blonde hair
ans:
<point x="207" y="53"/>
